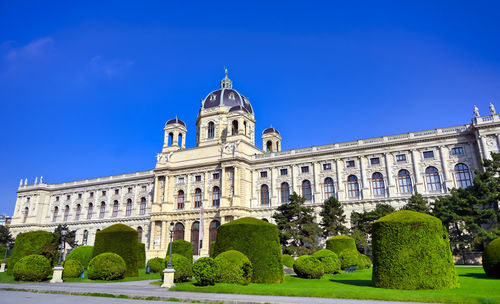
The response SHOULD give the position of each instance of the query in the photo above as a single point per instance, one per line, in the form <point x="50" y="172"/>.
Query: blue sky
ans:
<point x="85" y="89"/>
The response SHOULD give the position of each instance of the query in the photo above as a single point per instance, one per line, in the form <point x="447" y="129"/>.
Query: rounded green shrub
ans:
<point x="411" y="250"/>
<point x="308" y="267"/>
<point x="330" y="260"/>
<point x="106" y="266"/>
<point x="141" y="255"/>
<point x="183" y="248"/>
<point x="349" y="257"/>
<point x="338" y="243"/>
<point x="34" y="242"/>
<point x="287" y="260"/>
<point x="122" y="240"/>
<point x="365" y="260"/>
<point x="157" y="264"/>
<point x="32" y="268"/>
<point x="72" y="269"/>
<point x="233" y="267"/>
<point x="259" y="241"/>
<point x="82" y="254"/>
<point x="205" y="271"/>
<point x="491" y="259"/>
<point x="183" y="267"/>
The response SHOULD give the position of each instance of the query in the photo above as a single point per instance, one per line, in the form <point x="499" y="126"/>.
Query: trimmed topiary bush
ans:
<point x="72" y="269"/>
<point x="82" y="254"/>
<point x="183" y="268"/>
<point x="34" y="242"/>
<point x="183" y="248"/>
<point x="349" y="257"/>
<point x="122" y="240"/>
<point x="211" y="251"/>
<point x="106" y="266"/>
<point x="157" y="264"/>
<point x="141" y="255"/>
<point x="259" y="241"/>
<point x="330" y="260"/>
<point x="204" y="270"/>
<point x="287" y="260"/>
<point x="365" y="260"/>
<point x="308" y="267"/>
<point x="233" y="267"/>
<point x="411" y="250"/>
<point x="491" y="259"/>
<point x="32" y="268"/>
<point x="338" y="243"/>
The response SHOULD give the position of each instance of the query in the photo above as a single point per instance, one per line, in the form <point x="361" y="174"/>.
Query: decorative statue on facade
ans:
<point x="476" y="111"/>
<point x="492" y="109"/>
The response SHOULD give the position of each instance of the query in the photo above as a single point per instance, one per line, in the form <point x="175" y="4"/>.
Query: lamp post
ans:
<point x="63" y="239"/>
<point x="169" y="272"/>
<point x="58" y="270"/>
<point x="2" y="267"/>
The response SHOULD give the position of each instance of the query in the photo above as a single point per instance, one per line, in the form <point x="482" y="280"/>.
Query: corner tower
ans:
<point x="271" y="140"/>
<point x="175" y="135"/>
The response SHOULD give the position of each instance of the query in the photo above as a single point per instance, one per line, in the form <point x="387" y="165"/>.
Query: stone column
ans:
<point x="207" y="201"/>
<point x="365" y="190"/>
<point x="389" y="159"/>
<point x="295" y="173"/>
<point x="236" y="186"/>
<point x="164" y="235"/>
<point x="419" y="185"/>
<point x="447" y="181"/>
<point x="175" y="140"/>
<point x="165" y="194"/>
<point x="483" y="147"/>
<point x="273" y="196"/>
<point x="317" y="191"/>
<point x="340" y="181"/>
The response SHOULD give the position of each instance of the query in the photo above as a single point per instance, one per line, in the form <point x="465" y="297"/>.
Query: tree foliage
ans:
<point x="361" y="224"/>
<point x="332" y="218"/>
<point x="417" y="203"/>
<point x="70" y="235"/>
<point x="5" y="236"/>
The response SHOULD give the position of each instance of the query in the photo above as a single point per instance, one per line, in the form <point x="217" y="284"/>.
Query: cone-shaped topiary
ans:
<point x="72" y="269"/>
<point x="329" y="259"/>
<point x="308" y="267"/>
<point x="122" y="240"/>
<point x="183" y="248"/>
<point x="259" y="241"/>
<point x="233" y="267"/>
<point x="411" y="250"/>
<point x="82" y="254"/>
<point x="33" y="267"/>
<point x="340" y="242"/>
<point x="491" y="259"/>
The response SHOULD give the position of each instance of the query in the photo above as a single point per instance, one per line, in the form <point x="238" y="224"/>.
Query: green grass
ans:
<point x="475" y="288"/>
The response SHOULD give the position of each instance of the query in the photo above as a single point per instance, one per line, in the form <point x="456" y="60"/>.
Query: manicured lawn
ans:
<point x="475" y="288"/>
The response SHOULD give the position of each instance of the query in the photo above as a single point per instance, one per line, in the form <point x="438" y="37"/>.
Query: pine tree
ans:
<point x="5" y="236"/>
<point x="70" y="235"/>
<point x="332" y="218"/>
<point x="361" y="224"/>
<point x="417" y="203"/>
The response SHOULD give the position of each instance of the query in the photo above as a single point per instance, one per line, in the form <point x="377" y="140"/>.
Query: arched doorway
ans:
<point x="195" y="237"/>
<point x="212" y="235"/>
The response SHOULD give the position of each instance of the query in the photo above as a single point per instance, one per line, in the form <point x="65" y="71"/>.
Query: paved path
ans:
<point x="144" y="289"/>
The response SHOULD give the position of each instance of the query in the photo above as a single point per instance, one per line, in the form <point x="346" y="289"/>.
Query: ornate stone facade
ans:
<point x="226" y="176"/>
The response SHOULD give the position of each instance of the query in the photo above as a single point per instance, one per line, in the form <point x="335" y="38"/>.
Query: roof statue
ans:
<point x="476" y="111"/>
<point x="492" y="109"/>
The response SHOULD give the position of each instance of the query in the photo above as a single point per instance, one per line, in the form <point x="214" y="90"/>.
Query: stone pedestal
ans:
<point x="168" y="278"/>
<point x="2" y="267"/>
<point x="57" y="275"/>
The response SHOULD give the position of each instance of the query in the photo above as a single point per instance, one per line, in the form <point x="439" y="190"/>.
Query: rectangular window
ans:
<point x="304" y="169"/>
<point x="57" y="198"/>
<point x="401" y="157"/>
<point x="350" y="164"/>
<point x="215" y="176"/>
<point x="197" y="178"/>
<point x="457" y="151"/>
<point x="117" y="191"/>
<point x="375" y="161"/>
<point x="144" y="188"/>
<point x="91" y="194"/>
<point x="283" y="171"/>
<point x="327" y="166"/>
<point x="68" y="197"/>
<point x="129" y="190"/>
<point x="103" y="193"/>
<point x="180" y="180"/>
<point x="429" y="154"/>
<point x="79" y="195"/>
<point x="263" y="174"/>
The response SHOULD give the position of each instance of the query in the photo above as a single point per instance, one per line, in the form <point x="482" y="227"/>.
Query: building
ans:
<point x="5" y="220"/>
<point x="230" y="177"/>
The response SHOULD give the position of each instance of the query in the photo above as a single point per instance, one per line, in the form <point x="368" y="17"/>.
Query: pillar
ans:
<point x="447" y="177"/>
<point x="340" y="181"/>
<point x="389" y="159"/>
<point x="317" y="191"/>
<point x="365" y="190"/>
<point x="164" y="235"/>
<point x="419" y="185"/>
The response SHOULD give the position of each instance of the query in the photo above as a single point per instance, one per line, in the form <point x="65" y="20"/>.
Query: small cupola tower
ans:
<point x="271" y="140"/>
<point x="175" y="135"/>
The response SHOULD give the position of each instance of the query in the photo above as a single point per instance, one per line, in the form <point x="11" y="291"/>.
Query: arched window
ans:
<point x="269" y="146"/>
<point x="195" y="237"/>
<point x="115" y="209"/>
<point x="234" y="129"/>
<point x="178" y="231"/>
<point x="264" y="195"/>
<point x="212" y="234"/>
<point x="78" y="212"/>
<point x="66" y="213"/>
<point x="329" y="188"/>
<point x="25" y="215"/>
<point x="462" y="176"/>
<point x="404" y="181"/>
<point x="180" y="199"/>
<point x="211" y="130"/>
<point x="378" y="184"/>
<point x="179" y="140"/>
<point x="265" y="220"/>
<point x="215" y="196"/>
<point x="85" y="237"/>
<point x="170" y="139"/>
<point x="306" y="190"/>
<point x="56" y="213"/>
<point x="102" y="211"/>
<point x="142" y="209"/>
<point x="128" y="210"/>
<point x="197" y="198"/>
<point x="139" y="234"/>
<point x="285" y="193"/>
<point x="432" y="178"/>
<point x="352" y="186"/>
<point x="90" y="211"/>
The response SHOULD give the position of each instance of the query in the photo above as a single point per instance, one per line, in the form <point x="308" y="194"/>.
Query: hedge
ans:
<point x="183" y="268"/>
<point x="329" y="259"/>
<point x="287" y="260"/>
<point x="340" y="242"/>
<point x="233" y="267"/>
<point x="34" y="242"/>
<point x="122" y="240"/>
<point x="308" y="267"/>
<point x="141" y="255"/>
<point x="349" y="257"/>
<point x="183" y="248"/>
<point x="367" y="263"/>
<point x="205" y="271"/>
<point x="72" y="269"/>
<point x="491" y="259"/>
<point x="33" y="267"/>
<point x="82" y="254"/>
<point x="211" y="250"/>
<point x="411" y="250"/>
<point x="106" y="266"/>
<point x="259" y="241"/>
<point x="157" y="264"/>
